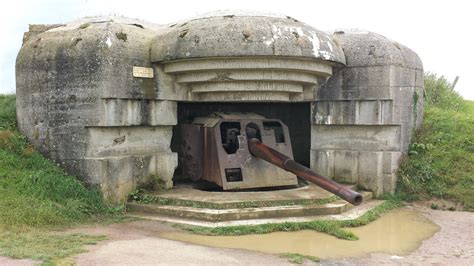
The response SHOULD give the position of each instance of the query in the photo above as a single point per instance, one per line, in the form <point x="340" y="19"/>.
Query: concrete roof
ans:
<point x="365" y="48"/>
<point x="230" y="33"/>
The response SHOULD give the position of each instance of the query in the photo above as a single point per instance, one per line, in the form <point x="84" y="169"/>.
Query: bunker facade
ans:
<point x="104" y="97"/>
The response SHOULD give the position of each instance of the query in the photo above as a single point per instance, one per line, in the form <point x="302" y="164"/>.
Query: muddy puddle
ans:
<point x="398" y="233"/>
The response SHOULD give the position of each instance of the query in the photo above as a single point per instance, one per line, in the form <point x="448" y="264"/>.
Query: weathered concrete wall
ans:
<point x="366" y="113"/>
<point x="80" y="104"/>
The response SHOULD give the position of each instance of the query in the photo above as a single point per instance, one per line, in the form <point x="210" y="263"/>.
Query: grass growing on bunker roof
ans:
<point x="440" y="162"/>
<point x="37" y="196"/>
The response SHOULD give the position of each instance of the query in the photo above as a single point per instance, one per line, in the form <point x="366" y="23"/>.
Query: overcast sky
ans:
<point x="439" y="31"/>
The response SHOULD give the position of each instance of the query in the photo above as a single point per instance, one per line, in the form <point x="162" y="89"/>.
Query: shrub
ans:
<point x="440" y="162"/>
<point x="439" y="93"/>
<point x="7" y="112"/>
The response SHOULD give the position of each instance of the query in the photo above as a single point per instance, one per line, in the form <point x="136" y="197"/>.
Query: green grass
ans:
<point x="335" y="228"/>
<point x="34" y="192"/>
<point x="7" y="112"/>
<point x="439" y="94"/>
<point x="36" y="196"/>
<point x="298" y="258"/>
<point x="441" y="158"/>
<point x="44" y="246"/>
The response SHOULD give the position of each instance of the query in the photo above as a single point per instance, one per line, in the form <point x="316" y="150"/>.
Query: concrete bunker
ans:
<point x="104" y="100"/>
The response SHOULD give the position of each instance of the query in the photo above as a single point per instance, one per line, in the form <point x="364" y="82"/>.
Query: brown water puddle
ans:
<point x="398" y="232"/>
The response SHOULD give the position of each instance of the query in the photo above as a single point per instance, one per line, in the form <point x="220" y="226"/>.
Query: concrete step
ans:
<point x="198" y="195"/>
<point x="234" y="214"/>
<point x="352" y="213"/>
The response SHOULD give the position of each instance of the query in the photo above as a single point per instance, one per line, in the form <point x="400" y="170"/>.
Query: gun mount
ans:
<point x="235" y="150"/>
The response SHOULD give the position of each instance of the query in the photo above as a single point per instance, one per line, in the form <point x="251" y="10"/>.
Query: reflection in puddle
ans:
<point x="398" y="232"/>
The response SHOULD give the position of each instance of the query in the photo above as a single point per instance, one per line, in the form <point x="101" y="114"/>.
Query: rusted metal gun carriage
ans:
<point x="235" y="150"/>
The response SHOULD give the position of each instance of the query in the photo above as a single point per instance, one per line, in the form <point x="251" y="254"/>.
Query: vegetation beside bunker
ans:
<point x="37" y="196"/>
<point x="440" y="162"/>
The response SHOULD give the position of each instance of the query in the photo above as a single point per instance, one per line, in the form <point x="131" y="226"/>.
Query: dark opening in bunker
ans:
<point x="295" y="115"/>
<point x="253" y="131"/>
<point x="233" y="174"/>
<point x="229" y="133"/>
<point x="277" y="129"/>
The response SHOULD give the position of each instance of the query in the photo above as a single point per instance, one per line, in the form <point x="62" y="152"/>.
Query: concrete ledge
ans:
<point x="136" y="112"/>
<point x="319" y="68"/>
<point x="356" y="137"/>
<point x="244" y="96"/>
<point x="189" y="201"/>
<point x="242" y="78"/>
<point x="350" y="214"/>
<point x="248" y="75"/>
<point x="213" y="215"/>
<point x="198" y="192"/>
<point x="352" y="112"/>
<point x="120" y="141"/>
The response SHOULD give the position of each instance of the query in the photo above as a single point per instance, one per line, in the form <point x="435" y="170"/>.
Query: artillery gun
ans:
<point x="239" y="151"/>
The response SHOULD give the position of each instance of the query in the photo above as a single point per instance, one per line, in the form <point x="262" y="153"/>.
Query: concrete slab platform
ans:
<point x="203" y="195"/>
<point x="194" y="203"/>
<point x="352" y="213"/>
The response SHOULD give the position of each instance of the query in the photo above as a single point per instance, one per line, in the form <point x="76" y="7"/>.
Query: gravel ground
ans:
<point x="452" y="245"/>
<point x="15" y="262"/>
<point x="139" y="243"/>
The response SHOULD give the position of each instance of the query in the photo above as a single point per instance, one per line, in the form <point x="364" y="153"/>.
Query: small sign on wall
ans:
<point x="142" y="72"/>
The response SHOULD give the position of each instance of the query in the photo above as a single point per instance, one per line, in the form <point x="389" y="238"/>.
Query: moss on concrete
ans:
<point x="335" y="228"/>
<point x="84" y="26"/>
<point x="121" y="36"/>
<point x="139" y="196"/>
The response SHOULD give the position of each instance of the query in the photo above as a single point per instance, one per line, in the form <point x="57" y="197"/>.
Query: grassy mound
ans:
<point x="34" y="192"/>
<point x="441" y="158"/>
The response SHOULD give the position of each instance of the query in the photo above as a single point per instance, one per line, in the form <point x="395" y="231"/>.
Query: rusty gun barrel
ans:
<point x="262" y="151"/>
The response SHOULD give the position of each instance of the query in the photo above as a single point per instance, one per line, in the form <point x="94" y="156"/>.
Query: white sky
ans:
<point x="441" y="32"/>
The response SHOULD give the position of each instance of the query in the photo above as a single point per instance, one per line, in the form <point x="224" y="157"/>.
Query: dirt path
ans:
<point x="138" y="243"/>
<point x="452" y="245"/>
<point x="14" y="262"/>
